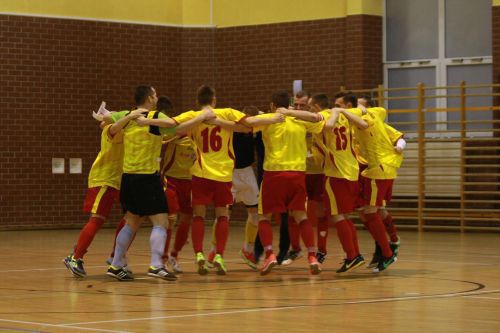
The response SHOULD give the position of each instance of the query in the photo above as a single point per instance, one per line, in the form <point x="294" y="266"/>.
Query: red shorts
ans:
<point x="172" y="200"/>
<point x="376" y="192"/>
<point x="182" y="189"/>
<point x="206" y="191"/>
<point x="99" y="200"/>
<point x="281" y="191"/>
<point x="341" y="195"/>
<point x="315" y="187"/>
<point x="360" y="202"/>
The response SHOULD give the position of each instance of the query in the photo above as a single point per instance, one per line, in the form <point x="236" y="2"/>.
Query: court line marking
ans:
<point x="379" y="300"/>
<point x="480" y="297"/>
<point x="59" y="326"/>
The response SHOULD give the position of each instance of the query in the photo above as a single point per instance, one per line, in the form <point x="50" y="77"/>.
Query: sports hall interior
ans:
<point x="433" y="64"/>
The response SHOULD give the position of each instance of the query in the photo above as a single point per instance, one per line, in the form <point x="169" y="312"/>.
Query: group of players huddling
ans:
<point x="344" y="158"/>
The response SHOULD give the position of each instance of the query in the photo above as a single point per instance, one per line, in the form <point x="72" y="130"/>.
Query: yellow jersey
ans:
<point x="394" y="136"/>
<point x="214" y="145"/>
<point x="340" y="161"/>
<point x="108" y="165"/>
<point x="377" y="147"/>
<point x="179" y="158"/>
<point x="285" y="143"/>
<point x="142" y="144"/>
<point x="315" y="156"/>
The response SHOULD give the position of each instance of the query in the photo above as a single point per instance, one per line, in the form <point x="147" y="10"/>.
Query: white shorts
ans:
<point x="245" y="187"/>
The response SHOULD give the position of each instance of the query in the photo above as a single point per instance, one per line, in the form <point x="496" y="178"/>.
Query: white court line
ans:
<point x="60" y="326"/>
<point x="207" y="314"/>
<point x="481" y="297"/>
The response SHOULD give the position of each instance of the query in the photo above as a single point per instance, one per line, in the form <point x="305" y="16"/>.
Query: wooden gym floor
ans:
<point x="442" y="282"/>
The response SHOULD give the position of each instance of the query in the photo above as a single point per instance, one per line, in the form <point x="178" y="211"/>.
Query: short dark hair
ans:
<point x="165" y="105"/>
<point x="369" y="101"/>
<point x="348" y="97"/>
<point x="205" y="95"/>
<point x="302" y="93"/>
<point x="281" y="99"/>
<point x="142" y="93"/>
<point x="322" y="100"/>
<point x="250" y="110"/>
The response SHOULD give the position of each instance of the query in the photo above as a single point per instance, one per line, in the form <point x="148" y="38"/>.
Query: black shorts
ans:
<point x="142" y="194"/>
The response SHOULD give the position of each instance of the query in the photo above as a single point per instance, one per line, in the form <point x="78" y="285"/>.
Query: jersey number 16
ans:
<point x="211" y="139"/>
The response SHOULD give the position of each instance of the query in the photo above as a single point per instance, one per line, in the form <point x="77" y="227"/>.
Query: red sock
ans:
<point x="354" y="234"/>
<point x="266" y="236"/>
<point x="87" y="235"/>
<point x="181" y="236"/>
<point x="390" y="228"/>
<point x="167" y="244"/>
<point x="377" y="230"/>
<point x="322" y="233"/>
<point x="221" y="234"/>
<point x="198" y="233"/>
<point x="307" y="233"/>
<point x="118" y="228"/>
<point x="344" y="233"/>
<point x="294" y="232"/>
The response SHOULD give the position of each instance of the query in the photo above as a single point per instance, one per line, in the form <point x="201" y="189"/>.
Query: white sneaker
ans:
<point x="291" y="257"/>
<point x="174" y="264"/>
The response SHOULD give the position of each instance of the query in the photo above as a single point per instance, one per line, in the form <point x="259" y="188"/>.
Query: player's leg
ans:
<point x="222" y="199"/>
<point x="123" y="241"/>
<point x="374" y="192"/>
<point x="98" y="203"/>
<point x="157" y="242"/>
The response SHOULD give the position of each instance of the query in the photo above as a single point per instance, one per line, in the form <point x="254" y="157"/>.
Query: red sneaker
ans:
<point x="314" y="265"/>
<point x="268" y="265"/>
<point x="248" y="258"/>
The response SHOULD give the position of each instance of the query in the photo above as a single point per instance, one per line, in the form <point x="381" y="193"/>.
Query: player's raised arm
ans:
<point x="263" y="120"/>
<point x="355" y="119"/>
<point x="229" y="125"/>
<point x="301" y="114"/>
<point x="120" y="123"/>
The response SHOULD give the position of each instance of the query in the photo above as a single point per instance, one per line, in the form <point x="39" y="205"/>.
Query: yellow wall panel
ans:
<point x="229" y="13"/>
<point x="225" y="13"/>
<point x="496" y="2"/>
<point x="146" y="11"/>
<point x="368" y="7"/>
<point x="196" y="12"/>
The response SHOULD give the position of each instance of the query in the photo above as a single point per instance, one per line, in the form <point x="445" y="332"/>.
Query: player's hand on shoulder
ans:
<point x="142" y="121"/>
<point x="208" y="113"/>
<point x="278" y="117"/>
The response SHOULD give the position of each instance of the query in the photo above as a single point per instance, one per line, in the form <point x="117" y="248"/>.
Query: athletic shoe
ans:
<point x="248" y="259"/>
<point x="268" y="265"/>
<point x="210" y="261"/>
<point x="395" y="246"/>
<point x="314" y="265"/>
<point x="119" y="273"/>
<point x="201" y="263"/>
<point x="377" y="255"/>
<point x="125" y="267"/>
<point x="172" y="261"/>
<point x="321" y="256"/>
<point x="162" y="273"/>
<point x="219" y="265"/>
<point x="282" y="255"/>
<point x="384" y="263"/>
<point x="292" y="256"/>
<point x="75" y="266"/>
<point x="350" y="265"/>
